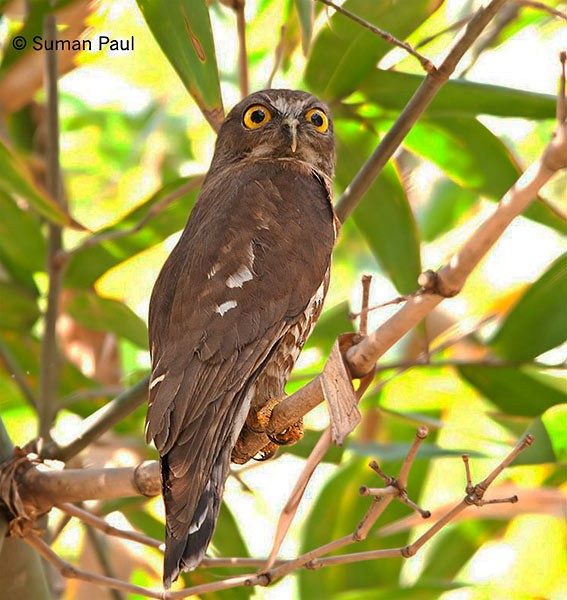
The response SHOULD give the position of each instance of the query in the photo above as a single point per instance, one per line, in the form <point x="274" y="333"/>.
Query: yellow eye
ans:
<point x="256" y="116"/>
<point x="318" y="119"/>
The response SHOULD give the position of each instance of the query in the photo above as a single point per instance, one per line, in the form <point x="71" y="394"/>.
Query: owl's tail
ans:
<point x="186" y="553"/>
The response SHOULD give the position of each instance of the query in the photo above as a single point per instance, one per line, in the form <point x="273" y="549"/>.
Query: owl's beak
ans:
<point x="292" y="124"/>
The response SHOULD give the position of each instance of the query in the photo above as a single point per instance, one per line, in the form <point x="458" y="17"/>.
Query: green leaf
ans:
<point x="182" y="28"/>
<point x="17" y="181"/>
<point x="550" y="441"/>
<point x="90" y="263"/>
<point x="514" y="391"/>
<point x="306" y="12"/>
<point x="18" y="307"/>
<point x="392" y="90"/>
<point x="344" y="52"/>
<point x="538" y="322"/>
<point x="398" y="451"/>
<point x="333" y="321"/>
<point x="384" y="216"/>
<point x="107" y="314"/>
<point x="17" y="225"/>
<point x="472" y="156"/>
<point x="421" y="591"/>
<point x="446" y="204"/>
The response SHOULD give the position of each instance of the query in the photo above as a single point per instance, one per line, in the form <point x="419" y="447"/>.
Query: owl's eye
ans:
<point x="256" y="116"/>
<point x="318" y="119"/>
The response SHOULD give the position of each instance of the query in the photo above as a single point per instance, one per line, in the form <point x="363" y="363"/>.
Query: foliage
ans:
<point x="131" y="136"/>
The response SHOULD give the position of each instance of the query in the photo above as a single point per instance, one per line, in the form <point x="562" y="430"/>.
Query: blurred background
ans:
<point x="484" y="368"/>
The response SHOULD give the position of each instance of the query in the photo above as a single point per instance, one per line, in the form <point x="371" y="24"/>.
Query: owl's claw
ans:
<point x="288" y="436"/>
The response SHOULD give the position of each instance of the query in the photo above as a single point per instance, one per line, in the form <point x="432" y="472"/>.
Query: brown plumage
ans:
<point x="236" y="300"/>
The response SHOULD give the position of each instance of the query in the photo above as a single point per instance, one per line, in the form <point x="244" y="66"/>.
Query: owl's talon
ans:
<point x="267" y="452"/>
<point x="288" y="436"/>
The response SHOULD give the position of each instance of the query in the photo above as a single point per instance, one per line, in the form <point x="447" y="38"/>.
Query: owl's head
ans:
<point x="279" y="124"/>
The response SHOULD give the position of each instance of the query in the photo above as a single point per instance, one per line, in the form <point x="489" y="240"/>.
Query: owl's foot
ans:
<point x="258" y="420"/>
<point x="290" y="435"/>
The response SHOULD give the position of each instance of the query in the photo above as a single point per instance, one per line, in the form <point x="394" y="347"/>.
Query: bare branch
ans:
<point x="49" y="364"/>
<point x="452" y="27"/>
<point x="278" y="56"/>
<point x="427" y="65"/>
<point x="413" y="110"/>
<point x="363" y="326"/>
<point x="242" y="52"/>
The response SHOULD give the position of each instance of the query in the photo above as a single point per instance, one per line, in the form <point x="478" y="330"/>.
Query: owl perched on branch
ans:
<point x="235" y="302"/>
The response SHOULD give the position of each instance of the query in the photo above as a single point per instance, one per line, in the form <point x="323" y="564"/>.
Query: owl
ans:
<point x="235" y="302"/>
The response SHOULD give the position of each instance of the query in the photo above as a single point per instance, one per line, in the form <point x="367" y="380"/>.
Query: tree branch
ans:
<point x="427" y="65"/>
<point x="48" y="379"/>
<point x="413" y="110"/>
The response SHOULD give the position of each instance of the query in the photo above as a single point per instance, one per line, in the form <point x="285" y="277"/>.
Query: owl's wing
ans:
<point x="254" y="252"/>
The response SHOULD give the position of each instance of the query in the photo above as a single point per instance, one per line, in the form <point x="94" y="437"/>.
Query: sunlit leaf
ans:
<point x="107" y="314"/>
<point x="538" y="322"/>
<point x="512" y="390"/>
<point x="550" y="441"/>
<point x="446" y="204"/>
<point x="471" y="155"/>
<point x="344" y="52"/>
<point x="422" y="591"/>
<point x="183" y="30"/>
<point x="22" y="245"/>
<point x="87" y="265"/>
<point x="17" y="181"/>
<point x="396" y="451"/>
<point x="18" y="307"/>
<point x="306" y="12"/>
<point x="330" y="325"/>
<point x="458" y="97"/>
<point x="384" y="216"/>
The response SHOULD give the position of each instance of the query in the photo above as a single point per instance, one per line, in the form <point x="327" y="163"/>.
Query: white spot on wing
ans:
<point x="239" y="278"/>
<point x="223" y="308"/>
<point x="157" y="380"/>
<point x="213" y="271"/>
<point x="250" y="254"/>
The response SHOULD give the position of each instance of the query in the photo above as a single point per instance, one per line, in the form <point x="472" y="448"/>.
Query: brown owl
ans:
<point x="235" y="302"/>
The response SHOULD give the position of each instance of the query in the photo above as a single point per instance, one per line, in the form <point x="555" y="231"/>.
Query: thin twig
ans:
<point x="49" y="365"/>
<point x="156" y="209"/>
<point x="427" y="65"/>
<point x="239" y="6"/>
<point x="543" y="7"/>
<point x="17" y="374"/>
<point x="413" y="110"/>
<point x="363" y="325"/>
<point x="278" y="57"/>
<point x="454" y="26"/>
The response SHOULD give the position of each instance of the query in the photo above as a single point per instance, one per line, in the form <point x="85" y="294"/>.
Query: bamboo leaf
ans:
<point x="392" y="90"/>
<point x="16" y="180"/>
<point x="182" y="28"/>
<point x="18" y="307"/>
<point x="538" y="322"/>
<point x="514" y="391"/>
<point x="384" y="216"/>
<point x="306" y="12"/>
<point x="107" y="314"/>
<point x="344" y="53"/>
<point x="90" y="263"/>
